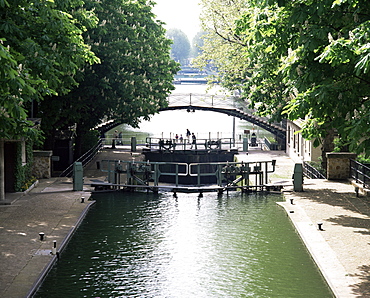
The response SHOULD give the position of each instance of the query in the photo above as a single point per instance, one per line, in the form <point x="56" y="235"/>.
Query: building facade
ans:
<point x="298" y="148"/>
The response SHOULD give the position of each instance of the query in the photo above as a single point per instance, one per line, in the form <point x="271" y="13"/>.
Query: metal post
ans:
<point x="156" y="174"/>
<point x="233" y="131"/>
<point x="266" y="178"/>
<point x="219" y="175"/>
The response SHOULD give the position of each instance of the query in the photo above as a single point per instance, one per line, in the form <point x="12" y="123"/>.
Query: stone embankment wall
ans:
<point x="42" y="164"/>
<point x="339" y="165"/>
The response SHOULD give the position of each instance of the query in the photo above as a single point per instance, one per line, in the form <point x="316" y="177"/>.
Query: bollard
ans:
<point x="41" y="234"/>
<point x="357" y="190"/>
<point x="298" y="177"/>
<point x="319" y="225"/>
<point x="82" y="199"/>
<point x="77" y="176"/>
<point x="133" y="144"/>
<point x="54" y="248"/>
<point x="291" y="201"/>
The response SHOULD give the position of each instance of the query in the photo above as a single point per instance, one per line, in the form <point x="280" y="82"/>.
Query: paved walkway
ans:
<point x="341" y="249"/>
<point x="52" y="208"/>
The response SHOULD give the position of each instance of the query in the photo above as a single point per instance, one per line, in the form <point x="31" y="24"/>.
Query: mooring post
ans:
<point x="156" y="174"/>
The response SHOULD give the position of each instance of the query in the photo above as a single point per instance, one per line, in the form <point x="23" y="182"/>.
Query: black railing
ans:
<point x="84" y="159"/>
<point x="311" y="172"/>
<point x="361" y="173"/>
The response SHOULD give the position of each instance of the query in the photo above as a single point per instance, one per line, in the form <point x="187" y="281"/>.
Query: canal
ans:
<point x="155" y="245"/>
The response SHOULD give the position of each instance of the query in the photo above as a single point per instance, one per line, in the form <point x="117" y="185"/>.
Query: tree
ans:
<point x="323" y="53"/>
<point x="197" y="44"/>
<point x="133" y="79"/>
<point x="223" y="48"/>
<point x="37" y="62"/>
<point x="180" y="49"/>
<point x="309" y="60"/>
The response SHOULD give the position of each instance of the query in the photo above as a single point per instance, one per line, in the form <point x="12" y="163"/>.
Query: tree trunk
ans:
<point x="327" y="146"/>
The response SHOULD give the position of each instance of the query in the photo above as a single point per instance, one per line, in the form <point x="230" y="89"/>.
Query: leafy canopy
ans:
<point x="304" y="60"/>
<point x="40" y="52"/>
<point x="134" y="77"/>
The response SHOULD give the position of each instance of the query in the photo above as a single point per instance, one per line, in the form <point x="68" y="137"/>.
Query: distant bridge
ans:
<point x="224" y="104"/>
<point x="221" y="104"/>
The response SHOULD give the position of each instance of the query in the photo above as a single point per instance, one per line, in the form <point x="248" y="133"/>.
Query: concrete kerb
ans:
<point x="62" y="246"/>
<point x="325" y="258"/>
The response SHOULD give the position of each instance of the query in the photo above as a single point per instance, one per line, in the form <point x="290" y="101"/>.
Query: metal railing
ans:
<point x="185" y="144"/>
<point x="361" y="173"/>
<point x="84" y="159"/>
<point x="311" y="172"/>
<point x="224" y="172"/>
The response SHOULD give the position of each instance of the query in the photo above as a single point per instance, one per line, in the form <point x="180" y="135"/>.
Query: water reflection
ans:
<point x="142" y="245"/>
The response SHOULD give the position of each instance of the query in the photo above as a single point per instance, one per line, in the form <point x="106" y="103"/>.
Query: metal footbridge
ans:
<point x="221" y="104"/>
<point x="224" y="104"/>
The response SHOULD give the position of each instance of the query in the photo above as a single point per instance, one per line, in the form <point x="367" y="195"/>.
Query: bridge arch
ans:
<point x="278" y="131"/>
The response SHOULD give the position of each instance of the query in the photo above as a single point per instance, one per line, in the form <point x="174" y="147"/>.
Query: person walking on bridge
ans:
<point x="194" y="141"/>
<point x="188" y="135"/>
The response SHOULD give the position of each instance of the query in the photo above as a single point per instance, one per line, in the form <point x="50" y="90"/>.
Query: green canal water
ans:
<point x="147" y="245"/>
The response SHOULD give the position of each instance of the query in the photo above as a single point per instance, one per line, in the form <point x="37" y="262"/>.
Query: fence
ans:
<point x="361" y="173"/>
<point x="311" y="172"/>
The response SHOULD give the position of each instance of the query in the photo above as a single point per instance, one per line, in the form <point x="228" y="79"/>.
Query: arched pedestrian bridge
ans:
<point x="215" y="103"/>
<point x="221" y="104"/>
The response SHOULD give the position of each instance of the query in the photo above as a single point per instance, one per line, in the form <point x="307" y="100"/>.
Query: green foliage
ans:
<point x="298" y="59"/>
<point x="22" y="173"/>
<point x="89" y="140"/>
<point x="223" y="49"/>
<point x="133" y="79"/>
<point x="363" y="159"/>
<point x="40" y="51"/>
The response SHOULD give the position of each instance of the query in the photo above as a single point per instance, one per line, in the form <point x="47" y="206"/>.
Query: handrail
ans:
<point x="186" y="143"/>
<point x="360" y="172"/>
<point x="312" y="173"/>
<point x="84" y="159"/>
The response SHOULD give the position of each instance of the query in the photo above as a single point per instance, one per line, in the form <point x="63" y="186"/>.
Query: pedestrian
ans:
<point x="114" y="140"/>
<point x="176" y="138"/>
<point x="181" y="139"/>
<point x="194" y="141"/>
<point x="188" y="135"/>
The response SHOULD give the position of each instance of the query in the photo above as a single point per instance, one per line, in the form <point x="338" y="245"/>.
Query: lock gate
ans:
<point x="132" y="175"/>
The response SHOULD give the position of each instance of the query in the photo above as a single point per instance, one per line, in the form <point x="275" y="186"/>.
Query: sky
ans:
<point x="179" y="14"/>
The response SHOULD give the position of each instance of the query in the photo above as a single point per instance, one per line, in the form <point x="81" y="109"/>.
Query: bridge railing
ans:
<point x="201" y="99"/>
<point x="124" y="141"/>
<point x="188" y="143"/>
